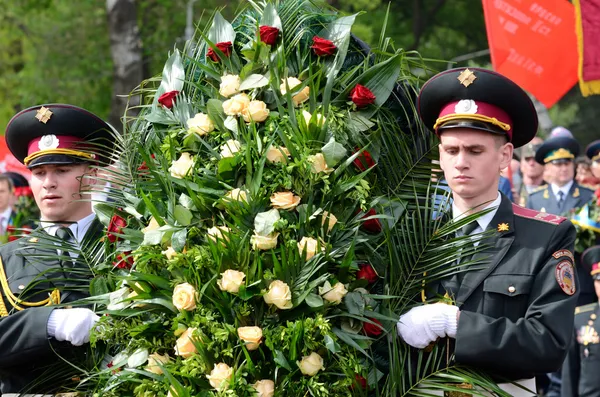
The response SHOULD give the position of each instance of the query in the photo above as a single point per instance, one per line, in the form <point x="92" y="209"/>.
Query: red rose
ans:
<point x="225" y="48"/>
<point x="268" y="34"/>
<point x="116" y="225"/>
<point x="360" y="381"/>
<point x="364" y="160"/>
<point x="371" y="225"/>
<point x="373" y="330"/>
<point x="323" y="47"/>
<point x="362" y="96"/>
<point x="23" y="191"/>
<point x="144" y="167"/>
<point x="168" y="99"/>
<point x="366" y="272"/>
<point x="124" y="260"/>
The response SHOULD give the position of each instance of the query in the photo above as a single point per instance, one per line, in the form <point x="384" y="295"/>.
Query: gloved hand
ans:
<point x="425" y="324"/>
<point x="72" y="325"/>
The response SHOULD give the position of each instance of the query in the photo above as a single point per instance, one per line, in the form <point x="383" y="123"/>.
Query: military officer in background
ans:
<point x="593" y="153"/>
<point x="60" y="145"/>
<point x="581" y="368"/>
<point x="513" y="316"/>
<point x="563" y="194"/>
<point x="532" y="173"/>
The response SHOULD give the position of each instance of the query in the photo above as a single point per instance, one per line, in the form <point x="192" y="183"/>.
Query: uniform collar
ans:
<point x="78" y="228"/>
<point x="484" y="220"/>
<point x="565" y="189"/>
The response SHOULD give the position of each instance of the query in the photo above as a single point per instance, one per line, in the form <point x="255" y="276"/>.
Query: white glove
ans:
<point x="72" y="325"/>
<point x="425" y="324"/>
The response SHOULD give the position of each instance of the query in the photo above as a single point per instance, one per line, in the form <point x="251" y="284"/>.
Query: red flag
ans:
<point x="587" y="13"/>
<point x="533" y="43"/>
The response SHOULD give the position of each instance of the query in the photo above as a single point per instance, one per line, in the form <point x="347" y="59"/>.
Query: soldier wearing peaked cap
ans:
<point x="593" y="153"/>
<point x="582" y="365"/>
<point x="532" y="172"/>
<point x="512" y="316"/>
<point x="61" y="145"/>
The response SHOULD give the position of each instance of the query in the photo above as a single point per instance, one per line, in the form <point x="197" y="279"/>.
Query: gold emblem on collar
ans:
<point x="43" y="114"/>
<point x="503" y="227"/>
<point x="546" y="194"/>
<point x="466" y="77"/>
<point x="576" y="192"/>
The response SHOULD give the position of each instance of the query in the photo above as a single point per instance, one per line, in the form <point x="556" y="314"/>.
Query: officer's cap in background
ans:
<point x="592" y="151"/>
<point x="478" y="99"/>
<point x="58" y="134"/>
<point x="557" y="149"/>
<point x="591" y="261"/>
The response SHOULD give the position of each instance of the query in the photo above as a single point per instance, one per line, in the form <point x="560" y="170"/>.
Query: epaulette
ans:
<point x="538" y="216"/>
<point x="539" y="189"/>
<point x="585" y="308"/>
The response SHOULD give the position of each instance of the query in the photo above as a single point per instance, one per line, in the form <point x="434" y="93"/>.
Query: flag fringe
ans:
<point x="591" y="87"/>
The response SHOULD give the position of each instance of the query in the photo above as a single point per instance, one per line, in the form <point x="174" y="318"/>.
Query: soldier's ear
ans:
<point x="506" y="152"/>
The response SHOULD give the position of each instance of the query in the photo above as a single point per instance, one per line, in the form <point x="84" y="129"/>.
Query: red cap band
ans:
<point x="49" y="142"/>
<point x="469" y="109"/>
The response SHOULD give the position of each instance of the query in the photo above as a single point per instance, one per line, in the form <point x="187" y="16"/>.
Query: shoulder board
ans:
<point x="538" y="216"/>
<point x="585" y="308"/>
<point x="539" y="189"/>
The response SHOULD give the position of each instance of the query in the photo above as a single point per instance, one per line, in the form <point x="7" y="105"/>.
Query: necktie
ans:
<point x="561" y="199"/>
<point x="466" y="230"/>
<point x="66" y="235"/>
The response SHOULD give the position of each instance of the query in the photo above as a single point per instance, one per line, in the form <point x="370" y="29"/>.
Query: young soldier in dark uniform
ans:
<point x="55" y="142"/>
<point x="581" y="369"/>
<point x="564" y="193"/>
<point x="512" y="318"/>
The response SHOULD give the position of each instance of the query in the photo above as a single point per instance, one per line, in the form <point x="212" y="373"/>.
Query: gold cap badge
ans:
<point x="466" y="77"/>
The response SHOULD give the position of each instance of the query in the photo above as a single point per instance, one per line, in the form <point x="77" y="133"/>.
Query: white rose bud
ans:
<point x="237" y="194"/>
<point x="328" y="219"/>
<point x="184" y="297"/>
<point x="333" y="294"/>
<point x="152" y="225"/>
<point x="256" y="111"/>
<point x="264" y="388"/>
<point x="154" y="359"/>
<point x="319" y="118"/>
<point x="218" y="233"/>
<point x="277" y="154"/>
<point x="311" y="246"/>
<point x="293" y="82"/>
<point x="279" y="294"/>
<point x="318" y="164"/>
<point x="231" y="281"/>
<point x="251" y="335"/>
<point x="230" y="84"/>
<point x="236" y="105"/>
<point x="264" y="243"/>
<point x="311" y="365"/>
<point x="230" y="148"/>
<point x="182" y="166"/>
<point x="285" y="200"/>
<point x="200" y="124"/>
<point x="184" y="346"/>
<point x="220" y="376"/>
<point x="170" y="253"/>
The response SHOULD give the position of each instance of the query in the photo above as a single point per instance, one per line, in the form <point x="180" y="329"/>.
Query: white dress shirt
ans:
<point x="565" y="189"/>
<point x="4" y="217"/>
<point x="484" y="220"/>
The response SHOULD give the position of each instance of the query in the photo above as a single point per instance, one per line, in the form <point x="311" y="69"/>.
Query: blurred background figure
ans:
<point x="512" y="174"/>
<point x="583" y="173"/>
<point x="532" y="172"/>
<point x="6" y="200"/>
<point x="593" y="153"/>
<point x="561" y="132"/>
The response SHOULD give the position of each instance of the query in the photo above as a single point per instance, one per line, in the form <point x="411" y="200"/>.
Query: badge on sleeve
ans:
<point x="565" y="276"/>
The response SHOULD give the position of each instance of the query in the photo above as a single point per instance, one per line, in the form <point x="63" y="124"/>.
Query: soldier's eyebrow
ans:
<point x="476" y="146"/>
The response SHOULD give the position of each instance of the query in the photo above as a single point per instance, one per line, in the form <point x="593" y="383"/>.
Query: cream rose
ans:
<point x="200" y="124"/>
<point x="293" y="82"/>
<point x="333" y="294"/>
<point x="152" y="225"/>
<point x="264" y="388"/>
<point x="154" y="359"/>
<point x="319" y="118"/>
<point x="279" y="294"/>
<point x="277" y="154"/>
<point x="251" y="335"/>
<point x="182" y="166"/>
<point x="184" y="346"/>
<point x="311" y="365"/>
<point x="284" y="200"/>
<point x="170" y="253"/>
<point x="257" y="111"/>
<point x="318" y="164"/>
<point x="230" y="148"/>
<point x="231" y="281"/>
<point x="218" y="233"/>
<point x="236" y="105"/>
<point x="264" y="243"/>
<point x="330" y="219"/>
<point x="184" y="297"/>
<point x="237" y="194"/>
<point x="220" y="376"/>
<point x="230" y="84"/>
<point x="311" y="246"/>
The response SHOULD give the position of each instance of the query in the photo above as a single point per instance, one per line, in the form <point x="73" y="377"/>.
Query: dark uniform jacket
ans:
<point x="516" y="312"/>
<point x="581" y="370"/>
<point x="29" y="359"/>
